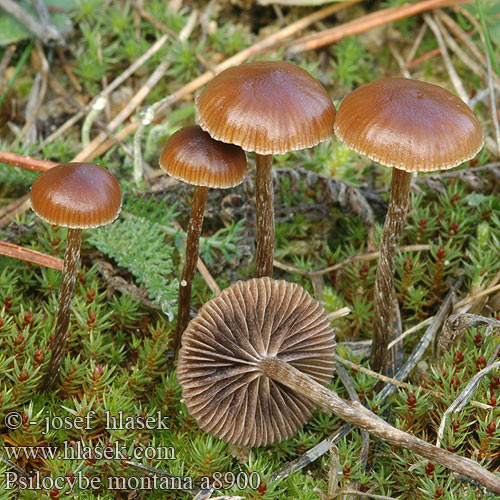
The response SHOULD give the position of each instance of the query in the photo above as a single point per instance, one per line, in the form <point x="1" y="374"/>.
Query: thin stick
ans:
<point x="238" y="58"/>
<point x="491" y="87"/>
<point x="30" y="255"/>
<point x="112" y="86"/>
<point x="357" y="414"/>
<point x="67" y="70"/>
<point x="7" y="56"/>
<point x="26" y="162"/>
<point x="411" y="330"/>
<point x="15" y="208"/>
<point x="44" y="70"/>
<point x="89" y="152"/>
<point x="399" y="59"/>
<point x="463" y="56"/>
<point x="362" y="24"/>
<point x="339" y="313"/>
<point x="455" y="79"/>
<point x="349" y="260"/>
<point x="416" y="44"/>
<point x="398" y="383"/>
<point x="464" y="396"/>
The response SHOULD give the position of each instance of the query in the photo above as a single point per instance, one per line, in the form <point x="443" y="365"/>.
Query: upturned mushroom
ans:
<point x="412" y="126"/>
<point x="77" y="196"/>
<point x="256" y="360"/>
<point x="192" y="156"/>
<point x="269" y="107"/>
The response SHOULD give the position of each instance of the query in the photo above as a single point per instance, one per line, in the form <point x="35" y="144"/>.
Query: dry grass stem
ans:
<point x="350" y="260"/>
<point x="362" y="24"/>
<point x="44" y="70"/>
<point x="26" y="162"/>
<point x="89" y="152"/>
<point x="455" y="79"/>
<point x="112" y="86"/>
<point x="30" y="255"/>
<point x="399" y="383"/>
<point x="240" y="57"/>
<point x="464" y="397"/>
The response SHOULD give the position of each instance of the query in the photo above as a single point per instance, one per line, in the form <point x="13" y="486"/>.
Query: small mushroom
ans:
<point x="269" y="107"/>
<point x="412" y="126"/>
<point x="76" y="196"/>
<point x="256" y="360"/>
<point x="219" y="368"/>
<point x="192" y="156"/>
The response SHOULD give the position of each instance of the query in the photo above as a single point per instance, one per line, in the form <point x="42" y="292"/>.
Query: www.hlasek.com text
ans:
<point x="78" y="450"/>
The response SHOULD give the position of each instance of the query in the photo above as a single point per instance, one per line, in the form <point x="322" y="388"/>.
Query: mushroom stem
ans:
<point x="265" y="216"/>
<point x="71" y="257"/>
<point x="358" y="415"/>
<point x="192" y="245"/>
<point x="384" y="282"/>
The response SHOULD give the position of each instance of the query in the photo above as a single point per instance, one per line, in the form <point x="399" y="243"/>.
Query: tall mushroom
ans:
<point x="269" y="107"/>
<point x="76" y="196"/>
<point x="412" y="126"/>
<point x="255" y="361"/>
<point x="192" y="156"/>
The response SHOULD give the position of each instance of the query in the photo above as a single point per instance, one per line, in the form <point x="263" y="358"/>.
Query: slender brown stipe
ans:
<point x="192" y="156"/>
<point x="257" y="359"/>
<point x="77" y="196"/>
<point x="412" y="126"/>
<point x="264" y="203"/>
<point x="268" y="107"/>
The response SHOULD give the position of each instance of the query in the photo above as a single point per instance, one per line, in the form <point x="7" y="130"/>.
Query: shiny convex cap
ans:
<point x="192" y="156"/>
<point x="76" y="195"/>
<point x="408" y="124"/>
<point x="222" y="384"/>
<point x="266" y="106"/>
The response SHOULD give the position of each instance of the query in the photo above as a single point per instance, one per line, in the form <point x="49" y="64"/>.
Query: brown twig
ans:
<point x="349" y="260"/>
<point x="450" y="41"/>
<point x="26" y="162"/>
<point x="238" y="58"/>
<point x="67" y="70"/>
<point x="29" y="255"/>
<point x="362" y="24"/>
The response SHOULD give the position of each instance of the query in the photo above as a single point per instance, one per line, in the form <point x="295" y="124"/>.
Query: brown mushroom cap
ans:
<point x="266" y="106"/>
<point x="408" y="124"/>
<point x="76" y="195"/>
<point x="192" y="156"/>
<point x="222" y="384"/>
